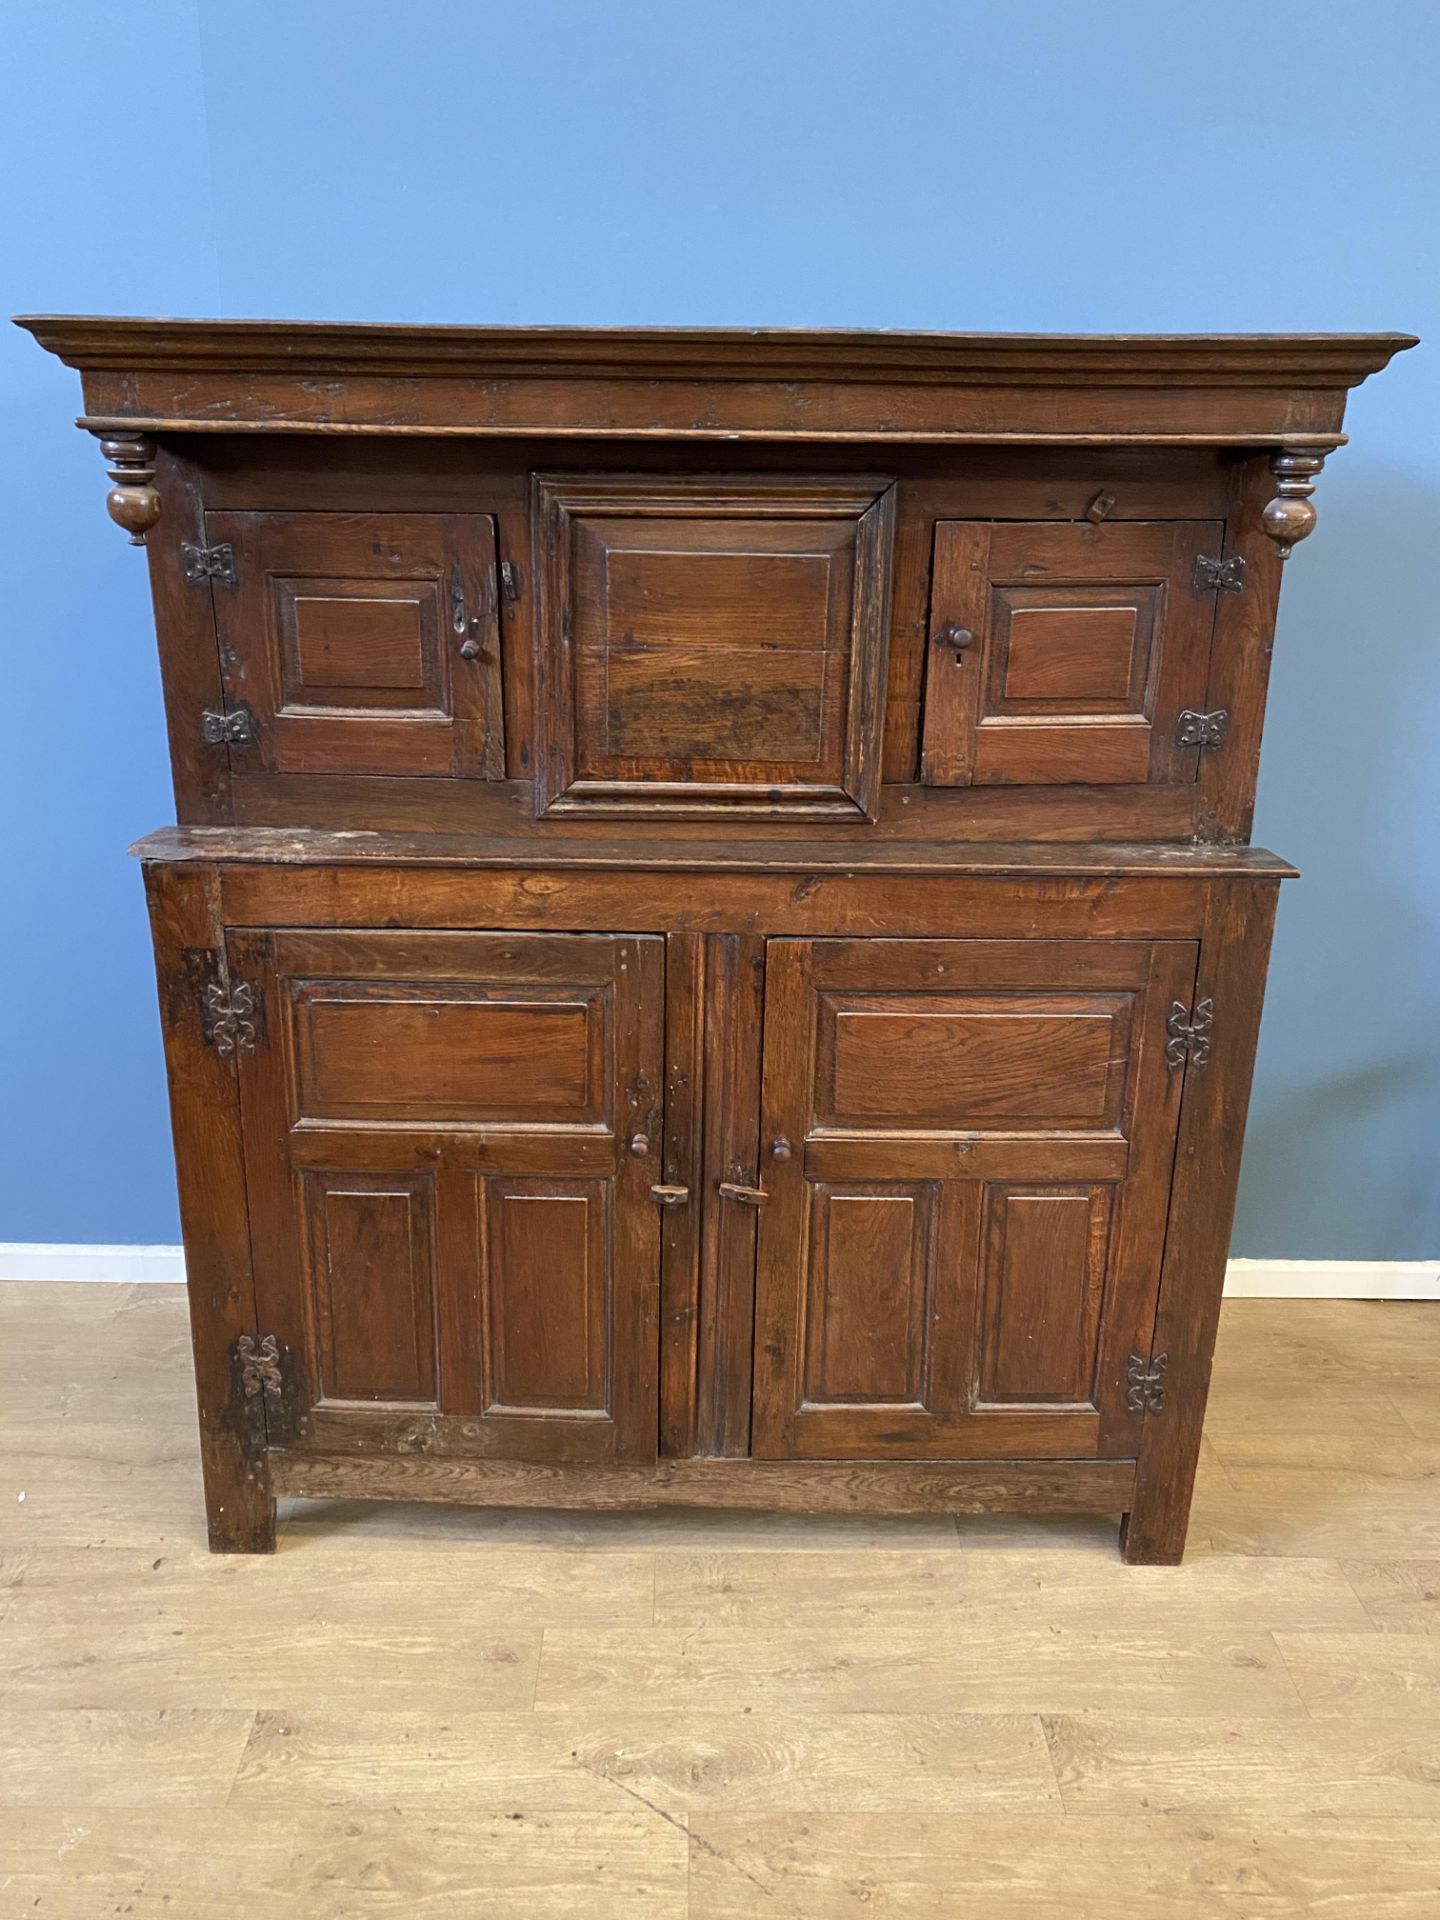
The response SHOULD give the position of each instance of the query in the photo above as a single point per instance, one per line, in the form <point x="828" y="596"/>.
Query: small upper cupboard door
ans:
<point x="450" y="1140"/>
<point x="362" y="642"/>
<point x="966" y="1152"/>
<point x="1065" y="653"/>
<point x="711" y="645"/>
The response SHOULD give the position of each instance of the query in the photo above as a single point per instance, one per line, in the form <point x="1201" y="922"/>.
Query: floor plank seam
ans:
<point x="1050" y="1731"/>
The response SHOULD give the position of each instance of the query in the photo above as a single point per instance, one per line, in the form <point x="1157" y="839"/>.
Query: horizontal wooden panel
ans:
<point x="957" y="821"/>
<point x="903" y="1154"/>
<point x="1208" y="412"/>
<point x="837" y="1486"/>
<point x="922" y="966"/>
<point x="1019" y="752"/>
<point x="503" y="1147"/>
<point x="402" y="1051"/>
<point x="971" y="1061"/>
<point x="378" y="952"/>
<point x="789" y="903"/>
<point x="916" y="1433"/>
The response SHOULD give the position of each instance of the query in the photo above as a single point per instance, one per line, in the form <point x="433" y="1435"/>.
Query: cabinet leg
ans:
<point x="209" y="1167"/>
<point x="239" y="1506"/>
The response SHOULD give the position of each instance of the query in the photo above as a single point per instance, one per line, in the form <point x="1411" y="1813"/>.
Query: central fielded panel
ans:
<point x="711" y="643"/>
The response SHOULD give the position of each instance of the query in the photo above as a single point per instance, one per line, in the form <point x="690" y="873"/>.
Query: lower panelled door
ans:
<point x="449" y="1142"/>
<point x="968" y="1148"/>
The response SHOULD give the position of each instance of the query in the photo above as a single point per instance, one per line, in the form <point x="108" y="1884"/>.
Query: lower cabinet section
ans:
<point x="716" y="1216"/>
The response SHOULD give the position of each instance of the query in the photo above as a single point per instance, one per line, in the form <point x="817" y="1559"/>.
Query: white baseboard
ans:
<point x="1333" y="1280"/>
<point x="33" y="1260"/>
<point x="1245" y="1279"/>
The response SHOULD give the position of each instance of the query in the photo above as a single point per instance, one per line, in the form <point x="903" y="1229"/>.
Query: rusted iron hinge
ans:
<point x="265" y="1395"/>
<point x="209" y="563"/>
<point x="1223" y="576"/>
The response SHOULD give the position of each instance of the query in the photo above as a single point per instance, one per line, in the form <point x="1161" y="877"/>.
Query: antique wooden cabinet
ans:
<point x="711" y="952"/>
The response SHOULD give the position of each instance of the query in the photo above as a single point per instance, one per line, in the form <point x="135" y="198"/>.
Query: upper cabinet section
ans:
<point x="545" y="583"/>
<point x="711" y="644"/>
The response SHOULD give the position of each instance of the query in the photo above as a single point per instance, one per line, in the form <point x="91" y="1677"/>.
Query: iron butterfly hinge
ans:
<point x="1195" y="729"/>
<point x="1218" y="576"/>
<point x="1145" y="1385"/>
<point x="231" y="1017"/>
<point x="265" y="1393"/>
<point x="1189" y="1034"/>
<point x="208" y="563"/>
<point x="229" y="726"/>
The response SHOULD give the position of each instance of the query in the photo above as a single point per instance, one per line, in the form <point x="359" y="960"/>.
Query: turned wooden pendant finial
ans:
<point x="1289" y="516"/>
<point x="132" y="501"/>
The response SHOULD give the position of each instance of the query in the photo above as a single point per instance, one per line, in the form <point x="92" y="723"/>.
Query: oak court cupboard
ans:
<point x="712" y="952"/>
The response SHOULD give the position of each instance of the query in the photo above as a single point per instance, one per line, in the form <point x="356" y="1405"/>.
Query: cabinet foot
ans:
<point x="239" y="1508"/>
<point x="242" y="1527"/>
<point x="1141" y="1549"/>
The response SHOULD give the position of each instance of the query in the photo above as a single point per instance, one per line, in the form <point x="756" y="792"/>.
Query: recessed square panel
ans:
<point x="360" y="640"/>
<point x="359" y="644"/>
<point x="711" y="644"/>
<point x="1066" y="656"/>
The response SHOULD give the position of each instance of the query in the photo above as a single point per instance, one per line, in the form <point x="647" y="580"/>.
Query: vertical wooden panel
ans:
<point x="189" y="649"/>
<point x="952" y="674"/>
<point x="1240" y="660"/>
<point x="1234" y="954"/>
<point x="787" y="1100"/>
<point x="734" y="988"/>
<point x="371" y="1268"/>
<point x="546" y="1301"/>
<point x="1045" y="1252"/>
<point x="680" y="1225"/>
<point x="210" y="1175"/>
<point x="866" y="1292"/>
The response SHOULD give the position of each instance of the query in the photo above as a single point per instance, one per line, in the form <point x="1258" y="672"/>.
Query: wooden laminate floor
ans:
<point x="440" y="1713"/>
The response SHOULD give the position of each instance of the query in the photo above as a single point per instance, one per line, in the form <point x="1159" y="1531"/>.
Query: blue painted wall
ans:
<point x="917" y="164"/>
